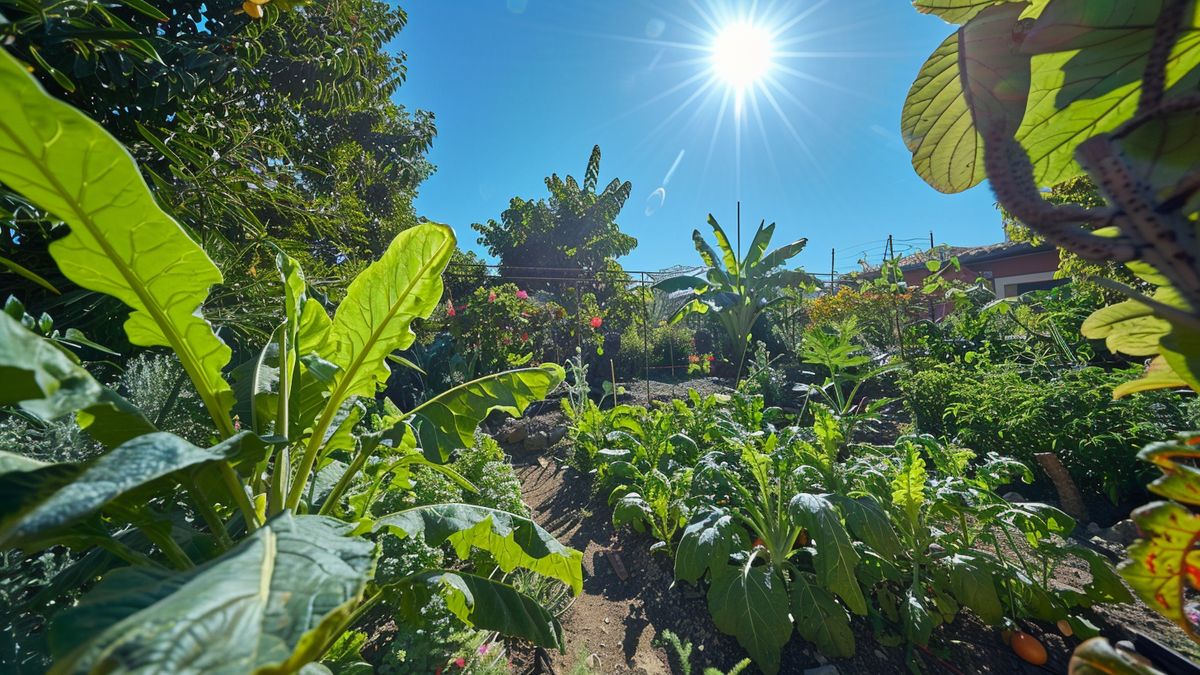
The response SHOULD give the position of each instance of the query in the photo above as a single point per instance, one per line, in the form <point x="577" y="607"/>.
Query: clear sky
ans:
<point x="524" y="88"/>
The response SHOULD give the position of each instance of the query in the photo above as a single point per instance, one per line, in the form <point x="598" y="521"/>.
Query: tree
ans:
<point x="575" y="230"/>
<point x="737" y="292"/>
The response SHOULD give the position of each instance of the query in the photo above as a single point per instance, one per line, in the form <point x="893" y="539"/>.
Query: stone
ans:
<point x="1122" y="533"/>
<point x="1093" y="528"/>
<point x="1014" y="497"/>
<point x="821" y="659"/>
<point x="827" y="669"/>
<point x="537" y="441"/>
<point x="557" y="434"/>
<point x="880" y="655"/>
<point x="517" y="434"/>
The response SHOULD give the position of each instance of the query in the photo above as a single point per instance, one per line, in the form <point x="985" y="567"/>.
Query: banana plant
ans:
<point x="737" y="291"/>
<point x="263" y="537"/>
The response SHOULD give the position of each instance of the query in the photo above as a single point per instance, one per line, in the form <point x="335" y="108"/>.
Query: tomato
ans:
<point x="1029" y="648"/>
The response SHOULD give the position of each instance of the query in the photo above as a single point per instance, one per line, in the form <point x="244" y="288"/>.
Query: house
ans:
<point x="1012" y="267"/>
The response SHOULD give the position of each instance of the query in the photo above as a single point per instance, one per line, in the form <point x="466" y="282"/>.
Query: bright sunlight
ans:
<point x="742" y="54"/>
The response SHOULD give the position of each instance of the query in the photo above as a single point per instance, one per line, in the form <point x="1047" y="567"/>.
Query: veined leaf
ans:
<point x="867" y="520"/>
<point x="820" y="619"/>
<point x="375" y="318"/>
<point x="1178" y="461"/>
<point x="908" y="486"/>
<point x="1097" y="657"/>
<point x="483" y="603"/>
<point x="836" y="558"/>
<point x="751" y="604"/>
<point x="1161" y="564"/>
<point x="707" y="542"/>
<point x="48" y="384"/>
<point x="971" y="583"/>
<point x="955" y="11"/>
<point x="449" y="420"/>
<point x="274" y="601"/>
<point x="121" y="243"/>
<point x="1158" y="375"/>
<point x="1088" y="61"/>
<point x="512" y="540"/>
<point x="37" y="501"/>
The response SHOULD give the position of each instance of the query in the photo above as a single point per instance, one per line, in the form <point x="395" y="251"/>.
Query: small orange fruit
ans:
<point x="1029" y="648"/>
<point x="252" y="9"/>
<point x="1064" y="627"/>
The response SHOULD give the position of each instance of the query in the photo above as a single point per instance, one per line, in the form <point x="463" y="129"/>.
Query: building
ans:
<point x="1012" y="267"/>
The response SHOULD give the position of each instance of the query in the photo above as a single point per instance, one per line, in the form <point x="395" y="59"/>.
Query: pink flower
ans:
<point x="524" y="337"/>
<point x="597" y="322"/>
<point x="492" y="296"/>
<point x="460" y="662"/>
<point x="450" y="309"/>
<point x="711" y="358"/>
<point x="483" y="648"/>
<point x="522" y="295"/>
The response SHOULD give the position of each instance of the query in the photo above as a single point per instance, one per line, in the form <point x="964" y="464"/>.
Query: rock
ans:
<point x="593" y="661"/>
<point x="822" y="660"/>
<point x="557" y="434"/>
<point x="537" y="441"/>
<point x="880" y="655"/>
<point x="517" y="434"/>
<point x="827" y="669"/>
<point x="1125" y="645"/>
<point x="1014" y="498"/>
<point x="1122" y="533"/>
<point x="1093" y="528"/>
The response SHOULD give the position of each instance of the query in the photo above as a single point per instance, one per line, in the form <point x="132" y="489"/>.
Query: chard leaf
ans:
<point x="45" y="382"/>
<point x="820" y="619"/>
<point x="483" y="603"/>
<point x="121" y="242"/>
<point x="448" y="420"/>
<point x="867" y="520"/>
<point x="707" y="542"/>
<point x="271" y="604"/>
<point x="971" y="583"/>
<point x="751" y="604"/>
<point x="512" y="540"/>
<point x="835" y="558"/>
<point x="1162" y="564"/>
<point x="38" y="501"/>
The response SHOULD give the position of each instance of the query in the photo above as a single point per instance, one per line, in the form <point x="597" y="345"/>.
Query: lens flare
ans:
<point x="741" y="54"/>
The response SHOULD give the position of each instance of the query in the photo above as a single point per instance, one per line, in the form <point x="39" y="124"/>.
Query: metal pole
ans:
<point x="832" y="269"/>
<point x="739" y="233"/>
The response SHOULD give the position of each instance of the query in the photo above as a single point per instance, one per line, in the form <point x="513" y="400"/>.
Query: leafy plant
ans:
<point x="261" y="504"/>
<point x="737" y="291"/>
<point x="847" y="368"/>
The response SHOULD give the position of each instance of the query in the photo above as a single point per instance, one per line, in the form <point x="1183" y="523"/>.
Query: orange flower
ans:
<point x="597" y="322"/>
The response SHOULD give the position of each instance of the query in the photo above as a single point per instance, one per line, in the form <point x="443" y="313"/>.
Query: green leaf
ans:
<point x="975" y="77"/>
<point x="1088" y="61"/>
<point x="512" y="540"/>
<point x="375" y="318"/>
<point x="1097" y="657"/>
<point x="955" y="11"/>
<point x="485" y="604"/>
<point x="28" y="274"/>
<point x="820" y="619"/>
<point x="47" y="383"/>
<point x="448" y="420"/>
<point x="868" y="521"/>
<point x="751" y="604"/>
<point x="908" y="485"/>
<point x="38" y="502"/>
<point x="121" y="243"/>
<point x="1158" y="375"/>
<point x="1178" y="459"/>
<point x="915" y="617"/>
<point x="272" y="603"/>
<point x="1129" y="327"/>
<point x="835" y="558"/>
<point x="707" y="542"/>
<point x="970" y="580"/>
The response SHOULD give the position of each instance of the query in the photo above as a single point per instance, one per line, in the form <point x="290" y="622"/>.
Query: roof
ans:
<point x="968" y="254"/>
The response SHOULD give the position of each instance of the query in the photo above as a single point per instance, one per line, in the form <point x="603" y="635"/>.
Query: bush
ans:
<point x="874" y="310"/>
<point x="666" y="345"/>
<point x="1071" y="414"/>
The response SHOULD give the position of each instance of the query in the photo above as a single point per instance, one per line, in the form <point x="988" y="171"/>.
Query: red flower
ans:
<point x="460" y="662"/>
<point x="450" y="309"/>
<point x="492" y="296"/>
<point x="522" y="295"/>
<point x="597" y="322"/>
<point x="524" y="337"/>
<point x="711" y="358"/>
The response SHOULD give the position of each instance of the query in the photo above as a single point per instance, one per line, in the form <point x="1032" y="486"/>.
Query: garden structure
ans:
<point x="259" y="416"/>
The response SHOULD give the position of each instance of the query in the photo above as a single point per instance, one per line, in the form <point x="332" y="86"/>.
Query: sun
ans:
<point x="741" y="54"/>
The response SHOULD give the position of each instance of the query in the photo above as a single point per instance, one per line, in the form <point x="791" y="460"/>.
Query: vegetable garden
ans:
<point x="258" y="416"/>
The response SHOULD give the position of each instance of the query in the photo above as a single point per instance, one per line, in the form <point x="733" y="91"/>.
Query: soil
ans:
<point x="617" y="621"/>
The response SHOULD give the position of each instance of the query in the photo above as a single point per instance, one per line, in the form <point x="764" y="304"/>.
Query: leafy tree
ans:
<point x="575" y="229"/>
<point x="737" y="291"/>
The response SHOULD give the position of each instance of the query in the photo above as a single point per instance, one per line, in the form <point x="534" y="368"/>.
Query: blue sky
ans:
<point x="523" y="88"/>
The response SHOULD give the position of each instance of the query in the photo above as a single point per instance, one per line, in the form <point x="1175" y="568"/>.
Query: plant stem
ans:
<point x="238" y="493"/>
<point x="209" y="514"/>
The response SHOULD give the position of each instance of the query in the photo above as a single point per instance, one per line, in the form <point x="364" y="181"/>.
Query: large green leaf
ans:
<point x="376" y="315"/>
<point x="955" y="11"/>
<point x="484" y="603"/>
<point x="707" y="542"/>
<point x="512" y="540"/>
<point x="835" y="558"/>
<point x="937" y="122"/>
<point x="1097" y="657"/>
<point x="820" y="619"/>
<point x="868" y="521"/>
<point x="1162" y="564"/>
<point x="268" y="606"/>
<point x="38" y="501"/>
<point x="970" y="580"/>
<point x="449" y="420"/>
<point x="729" y="256"/>
<point x="45" y="382"/>
<point x="1088" y="61"/>
<point x="121" y="243"/>
<point x="751" y="604"/>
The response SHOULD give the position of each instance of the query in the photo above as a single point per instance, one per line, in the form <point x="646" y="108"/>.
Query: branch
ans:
<point x="1166" y="33"/>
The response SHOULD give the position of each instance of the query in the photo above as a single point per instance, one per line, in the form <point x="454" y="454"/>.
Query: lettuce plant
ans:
<point x="265" y="537"/>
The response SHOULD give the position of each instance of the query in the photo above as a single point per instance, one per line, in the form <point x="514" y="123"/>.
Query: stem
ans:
<point x="124" y="552"/>
<point x="279" y="481"/>
<point x="364" y="450"/>
<point x="210" y="516"/>
<point x="176" y="555"/>
<point x="238" y="492"/>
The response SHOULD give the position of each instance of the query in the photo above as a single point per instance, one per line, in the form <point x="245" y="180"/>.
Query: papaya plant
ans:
<point x="737" y="290"/>
<point x="1026" y="94"/>
<point x="265" y="536"/>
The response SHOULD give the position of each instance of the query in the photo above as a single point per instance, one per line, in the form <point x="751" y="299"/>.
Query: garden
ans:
<point x="258" y="414"/>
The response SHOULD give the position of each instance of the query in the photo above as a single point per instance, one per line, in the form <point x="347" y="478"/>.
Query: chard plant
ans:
<point x="1026" y="94"/>
<point x="265" y="537"/>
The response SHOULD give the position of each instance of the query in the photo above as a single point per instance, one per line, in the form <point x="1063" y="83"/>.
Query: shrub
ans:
<point x="1072" y="414"/>
<point x="874" y="310"/>
<point x="663" y="346"/>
